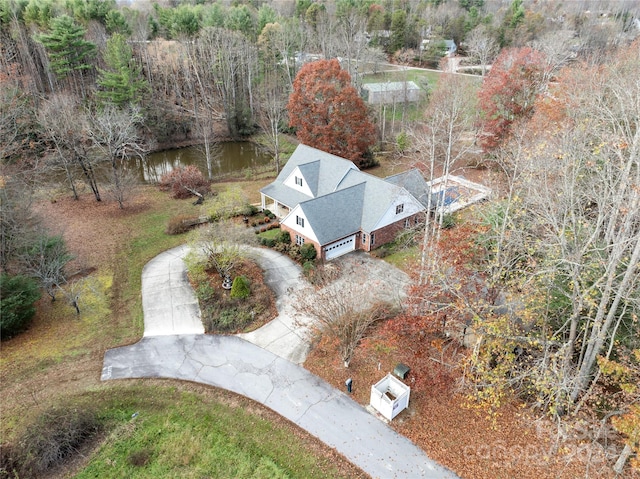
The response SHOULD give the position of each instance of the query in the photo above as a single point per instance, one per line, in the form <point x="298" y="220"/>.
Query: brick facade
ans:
<point x="382" y="236"/>
<point x="293" y="235"/>
<point x="388" y="233"/>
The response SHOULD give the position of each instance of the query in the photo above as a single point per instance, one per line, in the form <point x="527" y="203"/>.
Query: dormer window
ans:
<point x="399" y="208"/>
<point x="298" y="181"/>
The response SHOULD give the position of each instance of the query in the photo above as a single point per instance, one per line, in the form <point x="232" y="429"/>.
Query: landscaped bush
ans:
<point x="308" y="252"/>
<point x="281" y="247"/>
<point x="227" y="312"/>
<point x="18" y="295"/>
<point x="240" y="288"/>
<point x="308" y="269"/>
<point x="268" y="242"/>
<point x="269" y="214"/>
<point x="284" y="237"/>
<point x="183" y="182"/>
<point x="249" y="210"/>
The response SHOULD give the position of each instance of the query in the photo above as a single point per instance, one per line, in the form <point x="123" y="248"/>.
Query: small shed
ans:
<point x="390" y="92"/>
<point x="389" y="396"/>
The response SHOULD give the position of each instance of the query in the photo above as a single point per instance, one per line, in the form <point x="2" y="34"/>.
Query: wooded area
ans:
<point x="550" y="286"/>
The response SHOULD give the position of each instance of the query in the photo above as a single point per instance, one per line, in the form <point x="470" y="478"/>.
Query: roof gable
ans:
<point x="412" y="181"/>
<point x="336" y="215"/>
<point x="321" y="171"/>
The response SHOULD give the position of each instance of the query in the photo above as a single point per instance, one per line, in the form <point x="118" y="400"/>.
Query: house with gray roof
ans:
<point x="390" y="92"/>
<point x="325" y="200"/>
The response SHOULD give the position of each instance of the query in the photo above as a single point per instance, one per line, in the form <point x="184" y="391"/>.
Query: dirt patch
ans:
<point x="93" y="230"/>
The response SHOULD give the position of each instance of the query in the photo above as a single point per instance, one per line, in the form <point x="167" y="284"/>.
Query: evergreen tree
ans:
<point x="66" y="47"/>
<point x="398" y="31"/>
<point x="122" y="82"/>
<point x="18" y="295"/>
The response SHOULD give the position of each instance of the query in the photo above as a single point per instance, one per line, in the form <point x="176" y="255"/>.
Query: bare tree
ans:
<point x="45" y="260"/>
<point x="559" y="47"/>
<point x="568" y="246"/>
<point x="114" y="135"/>
<point x="63" y="122"/>
<point x="443" y="139"/>
<point x="273" y="101"/>
<point x="200" y="79"/>
<point x="222" y="244"/>
<point x="233" y="61"/>
<point x="482" y="46"/>
<point x="344" y="313"/>
<point x="17" y="220"/>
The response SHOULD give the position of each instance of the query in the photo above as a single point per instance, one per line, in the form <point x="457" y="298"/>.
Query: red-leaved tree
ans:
<point x="185" y="182"/>
<point x="509" y="92"/>
<point x="328" y="113"/>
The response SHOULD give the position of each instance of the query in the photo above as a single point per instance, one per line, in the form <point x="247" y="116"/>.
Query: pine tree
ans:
<point x="67" y="49"/>
<point x="121" y="83"/>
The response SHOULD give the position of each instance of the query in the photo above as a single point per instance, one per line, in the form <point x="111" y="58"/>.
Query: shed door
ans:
<point x="339" y="248"/>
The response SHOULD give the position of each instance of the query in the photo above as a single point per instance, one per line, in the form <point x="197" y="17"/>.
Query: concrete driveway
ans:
<point x="234" y="364"/>
<point x="169" y="303"/>
<point x="287" y="334"/>
<point x="173" y="346"/>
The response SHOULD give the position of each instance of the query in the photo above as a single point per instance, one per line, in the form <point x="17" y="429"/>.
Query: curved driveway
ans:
<point x="232" y="363"/>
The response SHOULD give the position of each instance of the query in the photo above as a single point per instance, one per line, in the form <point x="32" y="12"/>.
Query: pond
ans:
<point x="227" y="158"/>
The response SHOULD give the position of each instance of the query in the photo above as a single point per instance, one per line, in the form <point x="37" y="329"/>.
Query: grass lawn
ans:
<point x="422" y="78"/>
<point x="60" y="356"/>
<point x="270" y="234"/>
<point x="162" y="431"/>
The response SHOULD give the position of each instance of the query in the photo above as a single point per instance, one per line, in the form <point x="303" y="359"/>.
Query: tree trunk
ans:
<point x="622" y="459"/>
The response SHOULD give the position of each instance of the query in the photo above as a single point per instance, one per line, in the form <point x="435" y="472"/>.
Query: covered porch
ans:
<point x="279" y="209"/>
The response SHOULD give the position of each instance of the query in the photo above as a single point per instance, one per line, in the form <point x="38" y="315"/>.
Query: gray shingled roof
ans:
<point x="346" y="199"/>
<point x="337" y="215"/>
<point x="285" y="195"/>
<point x="311" y="171"/>
<point x="414" y="183"/>
<point x="378" y="196"/>
<point x="321" y="181"/>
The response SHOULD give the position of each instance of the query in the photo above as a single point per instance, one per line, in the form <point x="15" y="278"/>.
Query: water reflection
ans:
<point x="227" y="157"/>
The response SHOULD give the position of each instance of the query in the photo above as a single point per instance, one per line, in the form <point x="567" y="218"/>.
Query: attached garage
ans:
<point x="340" y="247"/>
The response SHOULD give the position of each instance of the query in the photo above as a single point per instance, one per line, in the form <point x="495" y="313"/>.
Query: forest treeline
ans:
<point x="187" y="65"/>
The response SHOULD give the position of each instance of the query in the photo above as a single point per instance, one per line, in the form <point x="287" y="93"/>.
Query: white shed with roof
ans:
<point x="390" y="92"/>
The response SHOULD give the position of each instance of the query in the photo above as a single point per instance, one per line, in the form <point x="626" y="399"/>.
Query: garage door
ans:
<point x="340" y="247"/>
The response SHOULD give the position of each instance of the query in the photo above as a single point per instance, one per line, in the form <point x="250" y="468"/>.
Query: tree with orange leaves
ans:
<point x="509" y="92"/>
<point x="327" y="112"/>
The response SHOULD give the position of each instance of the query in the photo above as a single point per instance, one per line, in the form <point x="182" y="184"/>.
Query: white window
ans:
<point x="407" y="223"/>
<point x="364" y="238"/>
<point x="300" y="221"/>
<point x="373" y="239"/>
<point x="399" y="208"/>
<point x="299" y="240"/>
<point x="298" y="181"/>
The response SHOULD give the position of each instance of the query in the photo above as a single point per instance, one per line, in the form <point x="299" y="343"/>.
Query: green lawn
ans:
<point x="158" y="432"/>
<point x="270" y="234"/>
